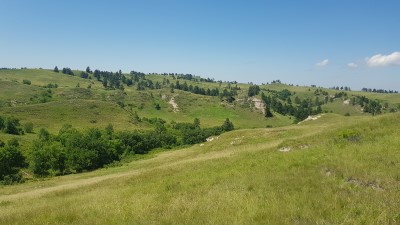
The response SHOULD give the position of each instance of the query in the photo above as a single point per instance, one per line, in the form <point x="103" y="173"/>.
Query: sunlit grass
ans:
<point x="240" y="177"/>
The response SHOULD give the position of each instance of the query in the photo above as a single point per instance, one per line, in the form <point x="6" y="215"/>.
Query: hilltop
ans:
<point x="49" y="99"/>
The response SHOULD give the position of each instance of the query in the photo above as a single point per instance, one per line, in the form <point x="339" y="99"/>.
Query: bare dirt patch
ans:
<point x="310" y="118"/>
<point x="174" y="104"/>
<point x="285" y="149"/>
<point x="259" y="104"/>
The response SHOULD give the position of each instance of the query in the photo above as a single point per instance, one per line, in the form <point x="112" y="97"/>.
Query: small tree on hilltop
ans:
<point x="56" y="69"/>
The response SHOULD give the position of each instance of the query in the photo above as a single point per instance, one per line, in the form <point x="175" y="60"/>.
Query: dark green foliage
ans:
<point x="11" y="160"/>
<point x="191" y="133"/>
<point x="200" y="91"/>
<point x="84" y="75"/>
<point x="228" y="125"/>
<point x="253" y="90"/>
<point x="370" y="106"/>
<point x="27" y="82"/>
<point x="13" y="142"/>
<point x="73" y="151"/>
<point x="48" y="158"/>
<point x="67" y="71"/>
<point x="88" y="70"/>
<point x="56" y="69"/>
<point x="12" y="126"/>
<point x="2" y="123"/>
<point x="158" y="107"/>
<point x="51" y="85"/>
<point x="268" y="112"/>
<point x="280" y="102"/>
<point x="110" y="80"/>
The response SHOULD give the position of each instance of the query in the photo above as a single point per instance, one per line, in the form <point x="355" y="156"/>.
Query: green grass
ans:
<point x="79" y="113"/>
<point x="339" y="170"/>
<point x="239" y="178"/>
<point x="338" y="106"/>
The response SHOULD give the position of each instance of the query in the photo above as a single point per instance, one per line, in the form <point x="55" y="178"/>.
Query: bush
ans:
<point x="27" y="82"/>
<point x="11" y="160"/>
<point x="28" y="127"/>
<point x="350" y="135"/>
<point x="12" y="126"/>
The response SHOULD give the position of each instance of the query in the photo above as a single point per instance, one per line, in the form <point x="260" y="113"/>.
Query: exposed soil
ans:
<point x="174" y="104"/>
<point x="259" y="104"/>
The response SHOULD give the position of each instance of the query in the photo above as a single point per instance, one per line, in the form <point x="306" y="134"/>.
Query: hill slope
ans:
<point x="334" y="170"/>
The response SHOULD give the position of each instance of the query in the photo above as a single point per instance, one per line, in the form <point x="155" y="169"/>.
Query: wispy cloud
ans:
<point x="384" y="60"/>
<point x="323" y="63"/>
<point x="352" y="65"/>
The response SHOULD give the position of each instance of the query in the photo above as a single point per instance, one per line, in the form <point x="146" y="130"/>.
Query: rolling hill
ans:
<point x="340" y="167"/>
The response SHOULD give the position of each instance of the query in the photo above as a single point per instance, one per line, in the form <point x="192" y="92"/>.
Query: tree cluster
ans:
<point x="280" y="102"/>
<point x="74" y="151"/>
<point x="11" y="161"/>
<point x="369" y="106"/>
<point x="345" y="88"/>
<point x="67" y="71"/>
<point x="11" y="125"/>
<point x="227" y="94"/>
<point x="253" y="90"/>
<point x="379" y="91"/>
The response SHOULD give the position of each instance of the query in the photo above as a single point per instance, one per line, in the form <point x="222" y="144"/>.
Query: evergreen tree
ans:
<point x="268" y="112"/>
<point x="56" y="69"/>
<point x="228" y="125"/>
<point x="88" y="70"/>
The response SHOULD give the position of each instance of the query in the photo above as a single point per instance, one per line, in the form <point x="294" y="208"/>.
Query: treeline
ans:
<point x="345" y="88"/>
<point x="187" y="76"/>
<point x="74" y="151"/>
<point x="300" y="111"/>
<point x="379" y="91"/>
<point x="281" y="102"/>
<point x="369" y="106"/>
<point x="227" y="94"/>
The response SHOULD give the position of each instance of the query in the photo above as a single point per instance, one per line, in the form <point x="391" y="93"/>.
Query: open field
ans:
<point x="338" y="170"/>
<point x="332" y="169"/>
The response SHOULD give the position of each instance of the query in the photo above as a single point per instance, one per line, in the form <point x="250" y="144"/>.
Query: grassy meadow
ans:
<point x="339" y="170"/>
<point x="335" y="169"/>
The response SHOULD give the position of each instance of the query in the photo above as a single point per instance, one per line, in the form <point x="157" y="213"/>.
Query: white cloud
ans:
<point x="323" y="63"/>
<point x="352" y="65"/>
<point x="384" y="60"/>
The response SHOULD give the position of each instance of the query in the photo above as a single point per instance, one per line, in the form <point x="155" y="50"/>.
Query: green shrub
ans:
<point x="28" y="127"/>
<point x="27" y="82"/>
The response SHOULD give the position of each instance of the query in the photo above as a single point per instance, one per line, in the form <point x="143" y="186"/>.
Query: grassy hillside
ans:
<point x="330" y="170"/>
<point x="334" y="170"/>
<point x="51" y="108"/>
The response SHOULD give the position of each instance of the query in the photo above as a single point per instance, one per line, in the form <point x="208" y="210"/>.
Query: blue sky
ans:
<point x="352" y="43"/>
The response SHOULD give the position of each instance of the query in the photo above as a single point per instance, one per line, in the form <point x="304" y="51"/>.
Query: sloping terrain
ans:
<point x="324" y="169"/>
<point x="339" y="170"/>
